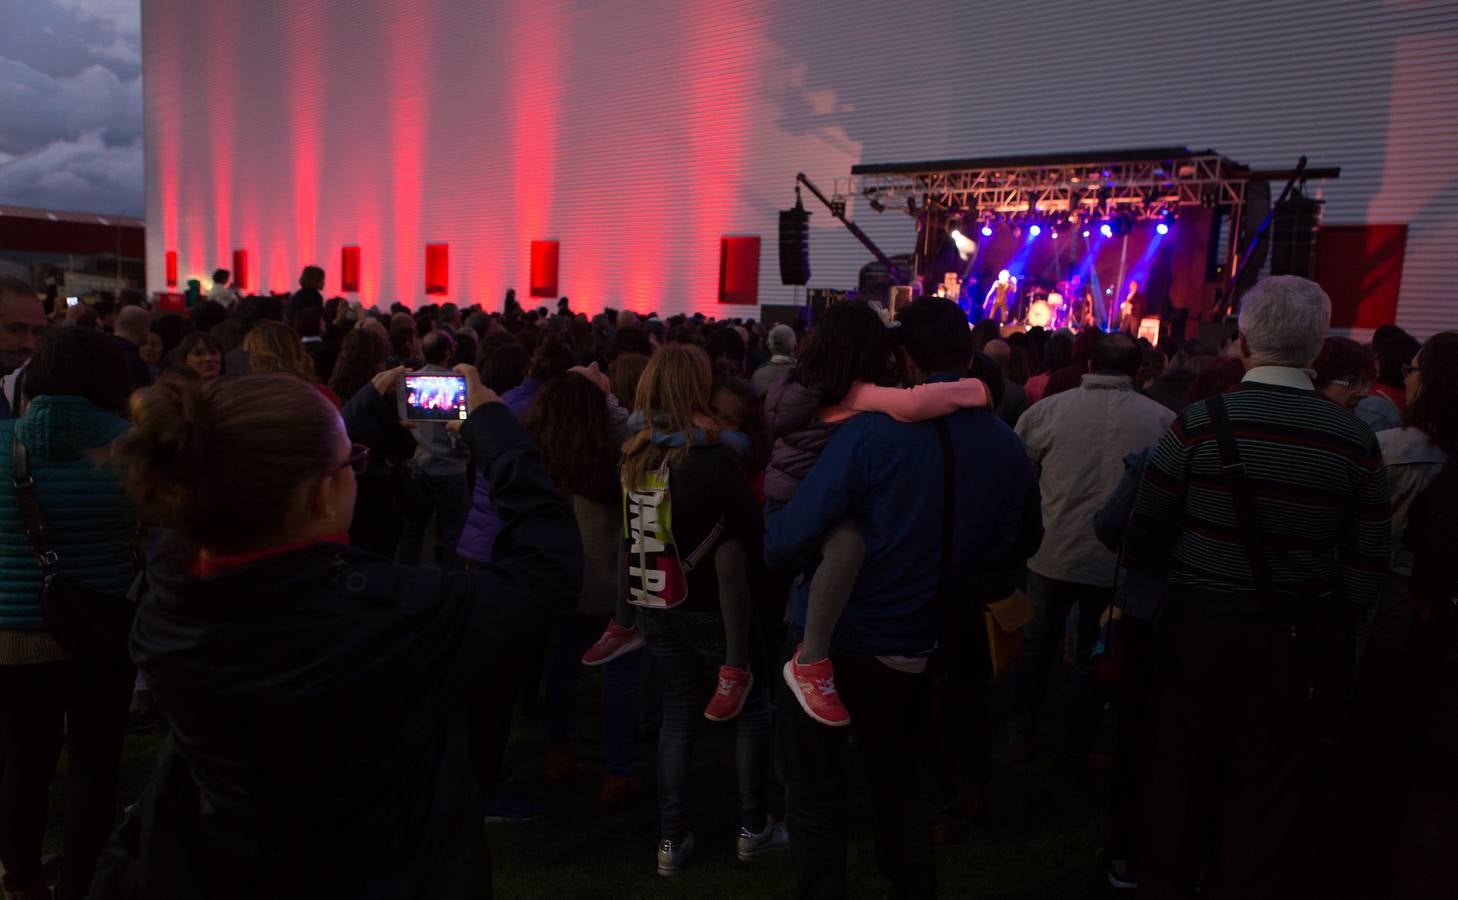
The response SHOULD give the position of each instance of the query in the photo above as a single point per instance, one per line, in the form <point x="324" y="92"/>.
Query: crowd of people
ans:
<point x="335" y="612"/>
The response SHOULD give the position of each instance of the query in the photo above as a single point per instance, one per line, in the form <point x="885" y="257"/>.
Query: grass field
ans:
<point x="1039" y="842"/>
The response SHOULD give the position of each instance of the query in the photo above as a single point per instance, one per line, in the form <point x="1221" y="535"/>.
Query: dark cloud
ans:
<point x="71" y="104"/>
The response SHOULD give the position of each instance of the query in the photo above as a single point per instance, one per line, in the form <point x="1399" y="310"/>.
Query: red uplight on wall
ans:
<point x="240" y="269"/>
<point x="349" y="269"/>
<point x="739" y="269"/>
<point x="546" y="256"/>
<point x="437" y="268"/>
<point x="172" y="268"/>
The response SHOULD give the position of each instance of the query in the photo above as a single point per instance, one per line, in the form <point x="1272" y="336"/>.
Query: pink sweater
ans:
<point x="914" y="404"/>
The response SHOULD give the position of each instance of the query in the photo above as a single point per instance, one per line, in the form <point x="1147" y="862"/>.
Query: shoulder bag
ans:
<point x="86" y="622"/>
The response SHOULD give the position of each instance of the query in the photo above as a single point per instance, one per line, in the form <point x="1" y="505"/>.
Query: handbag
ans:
<point x="85" y="622"/>
<point x="1006" y="620"/>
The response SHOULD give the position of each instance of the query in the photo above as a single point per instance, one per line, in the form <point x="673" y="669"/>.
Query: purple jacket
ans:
<point x="790" y="409"/>
<point x="483" y="524"/>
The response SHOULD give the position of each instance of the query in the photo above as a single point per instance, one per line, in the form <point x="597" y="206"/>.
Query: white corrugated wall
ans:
<point x="638" y="133"/>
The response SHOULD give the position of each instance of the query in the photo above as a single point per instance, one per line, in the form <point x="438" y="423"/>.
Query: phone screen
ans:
<point x="73" y="301"/>
<point x="434" y="398"/>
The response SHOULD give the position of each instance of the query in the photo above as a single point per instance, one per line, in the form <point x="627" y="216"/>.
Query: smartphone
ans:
<point x="432" y="397"/>
<point x="73" y="301"/>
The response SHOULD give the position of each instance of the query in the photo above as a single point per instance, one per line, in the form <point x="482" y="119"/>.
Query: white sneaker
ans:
<point x="774" y="837"/>
<point x="673" y="854"/>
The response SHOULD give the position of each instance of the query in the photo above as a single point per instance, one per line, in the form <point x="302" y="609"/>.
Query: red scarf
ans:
<point x="208" y="564"/>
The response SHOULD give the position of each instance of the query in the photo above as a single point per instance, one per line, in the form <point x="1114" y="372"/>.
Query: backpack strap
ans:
<point x="949" y="484"/>
<point x="691" y="562"/>
<point x="1245" y="515"/>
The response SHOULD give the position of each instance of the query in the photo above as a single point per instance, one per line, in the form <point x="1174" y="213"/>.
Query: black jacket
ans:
<point x="319" y="707"/>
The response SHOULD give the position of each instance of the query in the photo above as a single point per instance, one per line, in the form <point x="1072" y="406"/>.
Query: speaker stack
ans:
<point x="795" y="246"/>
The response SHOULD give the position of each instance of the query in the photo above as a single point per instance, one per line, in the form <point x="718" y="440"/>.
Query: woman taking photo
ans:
<point x="686" y="496"/>
<point x="318" y="695"/>
<point x="387" y="487"/>
<point x="76" y="385"/>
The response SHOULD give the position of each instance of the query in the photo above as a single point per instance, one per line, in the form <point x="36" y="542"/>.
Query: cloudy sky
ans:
<point x="71" y="105"/>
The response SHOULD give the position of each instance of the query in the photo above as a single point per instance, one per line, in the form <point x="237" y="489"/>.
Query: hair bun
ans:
<point x="174" y="424"/>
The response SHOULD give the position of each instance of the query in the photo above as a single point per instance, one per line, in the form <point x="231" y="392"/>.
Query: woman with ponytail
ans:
<point x="318" y="696"/>
<point x="689" y="517"/>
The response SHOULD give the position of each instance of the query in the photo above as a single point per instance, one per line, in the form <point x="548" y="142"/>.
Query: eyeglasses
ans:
<point x="1408" y="369"/>
<point x="358" y="460"/>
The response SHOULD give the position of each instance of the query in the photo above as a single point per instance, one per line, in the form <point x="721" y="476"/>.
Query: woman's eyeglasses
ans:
<point x="358" y="459"/>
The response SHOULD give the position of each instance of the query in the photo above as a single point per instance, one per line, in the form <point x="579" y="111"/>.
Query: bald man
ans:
<point x="1014" y="397"/>
<point x="130" y="333"/>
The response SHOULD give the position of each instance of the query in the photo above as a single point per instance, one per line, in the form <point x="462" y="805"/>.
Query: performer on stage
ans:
<point x="1082" y="298"/>
<point x="1131" y="309"/>
<point x="999" y="300"/>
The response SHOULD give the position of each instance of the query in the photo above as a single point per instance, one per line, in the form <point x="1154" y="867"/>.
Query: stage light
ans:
<point x="987" y="231"/>
<point x="965" y="247"/>
<point x="1035" y="230"/>
<point x="1161" y="229"/>
<point x="1085" y="232"/>
<point x="1054" y="235"/>
<point x="1106" y="230"/>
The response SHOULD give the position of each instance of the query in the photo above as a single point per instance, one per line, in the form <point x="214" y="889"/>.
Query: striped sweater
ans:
<point x="1320" y="495"/>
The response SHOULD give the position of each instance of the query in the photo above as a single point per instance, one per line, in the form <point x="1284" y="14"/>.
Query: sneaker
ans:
<point x="1117" y="871"/>
<point x="814" y="686"/>
<point x="618" y="791"/>
<point x="673" y="854"/>
<point x="774" y="837"/>
<point x="615" y="641"/>
<point x="510" y="805"/>
<point x="729" y="697"/>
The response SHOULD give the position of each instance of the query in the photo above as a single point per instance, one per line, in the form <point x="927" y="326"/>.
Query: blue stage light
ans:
<point x="1106" y="230"/>
<point x="1035" y="230"/>
<point x="987" y="231"/>
<point x="1161" y="229"/>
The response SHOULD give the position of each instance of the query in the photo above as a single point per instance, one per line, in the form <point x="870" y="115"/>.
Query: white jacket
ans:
<point x="1077" y="441"/>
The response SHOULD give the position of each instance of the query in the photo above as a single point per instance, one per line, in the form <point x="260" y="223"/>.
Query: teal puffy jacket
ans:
<point x="92" y="522"/>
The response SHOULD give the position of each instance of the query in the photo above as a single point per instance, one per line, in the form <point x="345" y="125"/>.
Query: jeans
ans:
<point x="82" y="705"/>
<point x="450" y="498"/>
<point x="679" y="643"/>
<point x="889" y="720"/>
<point x="619" y="694"/>
<point x="1042" y="640"/>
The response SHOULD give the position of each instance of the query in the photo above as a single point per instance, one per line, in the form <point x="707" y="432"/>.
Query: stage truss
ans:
<point x="1089" y="187"/>
<point x="1095" y="185"/>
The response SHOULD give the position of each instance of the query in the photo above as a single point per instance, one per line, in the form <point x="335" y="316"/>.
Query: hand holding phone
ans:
<point x="386" y="381"/>
<point x="477" y="394"/>
<point x="433" y="397"/>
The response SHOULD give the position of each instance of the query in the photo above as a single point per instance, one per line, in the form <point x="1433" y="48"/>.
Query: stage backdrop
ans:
<point x="638" y="135"/>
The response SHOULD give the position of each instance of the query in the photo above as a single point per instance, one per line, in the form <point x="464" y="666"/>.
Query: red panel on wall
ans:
<point x="172" y="268"/>
<point x="437" y="269"/>
<point x="1360" y="268"/>
<point x="739" y="269"/>
<point x="349" y="269"/>
<point x="240" y="269"/>
<point x="546" y="256"/>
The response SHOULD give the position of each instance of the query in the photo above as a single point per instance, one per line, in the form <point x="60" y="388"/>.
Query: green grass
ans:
<point x="1039" y="842"/>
